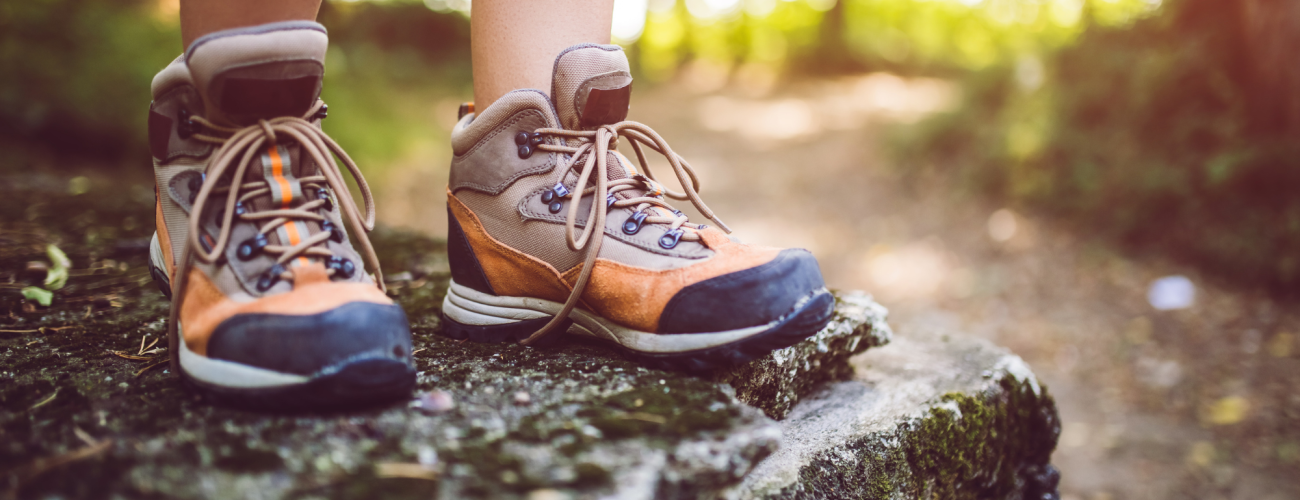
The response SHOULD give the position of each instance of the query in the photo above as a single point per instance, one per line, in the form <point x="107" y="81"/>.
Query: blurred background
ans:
<point x="1106" y="187"/>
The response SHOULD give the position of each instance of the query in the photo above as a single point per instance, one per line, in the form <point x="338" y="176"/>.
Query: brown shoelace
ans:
<point x="595" y="145"/>
<point x="239" y="148"/>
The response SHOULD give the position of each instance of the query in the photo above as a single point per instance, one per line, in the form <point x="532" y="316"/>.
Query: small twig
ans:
<point x="644" y="417"/>
<point x="147" y="368"/>
<point x="84" y="436"/>
<point x="121" y="280"/>
<point x="131" y="357"/>
<point x="405" y="470"/>
<point x="43" y="465"/>
<point x="144" y="348"/>
<point x="46" y="401"/>
<point x="20" y="331"/>
<point x="413" y="353"/>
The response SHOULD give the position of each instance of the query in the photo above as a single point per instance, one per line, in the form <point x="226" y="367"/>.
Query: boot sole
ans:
<point x="349" y="384"/>
<point x="480" y="317"/>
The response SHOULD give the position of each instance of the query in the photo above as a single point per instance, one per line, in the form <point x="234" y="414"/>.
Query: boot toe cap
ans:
<point x="314" y="343"/>
<point x="746" y="298"/>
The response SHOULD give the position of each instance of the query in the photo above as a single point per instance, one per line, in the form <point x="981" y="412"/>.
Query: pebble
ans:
<point x="522" y="398"/>
<point x="1172" y="292"/>
<point x="433" y="402"/>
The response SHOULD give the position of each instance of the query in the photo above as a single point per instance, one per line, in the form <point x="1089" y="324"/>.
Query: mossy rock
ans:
<point x="776" y="382"/>
<point x="79" y="421"/>
<point x="924" y="417"/>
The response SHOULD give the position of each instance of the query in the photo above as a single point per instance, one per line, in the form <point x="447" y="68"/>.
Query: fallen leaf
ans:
<point x="1228" y="411"/>
<point x="59" y="264"/>
<point x="40" y="295"/>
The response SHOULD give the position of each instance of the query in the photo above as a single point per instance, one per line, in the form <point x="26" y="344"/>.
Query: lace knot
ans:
<point x="267" y="130"/>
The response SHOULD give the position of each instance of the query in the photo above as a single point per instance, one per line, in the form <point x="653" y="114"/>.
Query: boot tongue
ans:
<point x="262" y="72"/>
<point x="591" y="86"/>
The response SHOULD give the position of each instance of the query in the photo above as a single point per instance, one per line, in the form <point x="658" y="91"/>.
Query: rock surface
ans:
<point x="921" y="418"/>
<point x="775" y="383"/>
<point x="86" y="411"/>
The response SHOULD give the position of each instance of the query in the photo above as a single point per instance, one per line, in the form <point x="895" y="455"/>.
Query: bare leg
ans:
<point x="200" y="17"/>
<point x="514" y="44"/>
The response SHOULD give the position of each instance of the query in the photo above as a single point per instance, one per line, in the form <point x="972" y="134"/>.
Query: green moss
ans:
<point x="590" y="474"/>
<point x="974" y="447"/>
<point x="169" y="443"/>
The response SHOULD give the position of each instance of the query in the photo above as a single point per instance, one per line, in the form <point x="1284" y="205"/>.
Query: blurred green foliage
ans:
<point x="1166" y="135"/>
<point x="1146" y="123"/>
<point x="75" y="74"/>
<point x="828" y="36"/>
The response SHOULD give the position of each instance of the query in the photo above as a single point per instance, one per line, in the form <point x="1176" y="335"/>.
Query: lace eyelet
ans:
<point x="670" y="238"/>
<point x="195" y="183"/>
<point x="239" y="210"/>
<point x="270" y="278"/>
<point x="251" y="247"/>
<point x="321" y="193"/>
<point x="633" y="224"/>
<point x="548" y="196"/>
<point x="556" y="207"/>
<point x="521" y="138"/>
<point x="560" y="190"/>
<point x="342" y="267"/>
<point x="323" y="112"/>
<point x="336" y="234"/>
<point x="525" y="151"/>
<point x="609" y="200"/>
<point x="185" y="126"/>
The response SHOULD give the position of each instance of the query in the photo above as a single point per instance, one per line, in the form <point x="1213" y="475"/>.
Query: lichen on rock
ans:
<point x="85" y="411"/>
<point x="925" y="417"/>
<point x="774" y="383"/>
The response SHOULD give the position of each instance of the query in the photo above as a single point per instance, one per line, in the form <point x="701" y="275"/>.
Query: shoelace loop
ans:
<point x="594" y="146"/>
<point x="239" y="146"/>
<point x="245" y="143"/>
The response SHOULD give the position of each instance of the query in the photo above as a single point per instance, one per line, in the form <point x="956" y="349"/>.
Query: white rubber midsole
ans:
<point x="155" y="254"/>
<point x="472" y="307"/>
<point x="233" y="375"/>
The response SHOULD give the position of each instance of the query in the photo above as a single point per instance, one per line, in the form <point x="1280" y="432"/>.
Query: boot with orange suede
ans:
<point x="271" y="303"/>
<point x="533" y="174"/>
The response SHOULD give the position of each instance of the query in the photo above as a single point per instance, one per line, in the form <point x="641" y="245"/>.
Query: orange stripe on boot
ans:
<point x="277" y="173"/>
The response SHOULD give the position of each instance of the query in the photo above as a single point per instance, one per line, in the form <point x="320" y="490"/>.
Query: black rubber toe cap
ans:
<point x="752" y="297"/>
<point x="308" y="344"/>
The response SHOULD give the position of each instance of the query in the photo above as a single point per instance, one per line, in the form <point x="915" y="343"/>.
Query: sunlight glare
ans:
<point x="712" y="9"/>
<point x="629" y="20"/>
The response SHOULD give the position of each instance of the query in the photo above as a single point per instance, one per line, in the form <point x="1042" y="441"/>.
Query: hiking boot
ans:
<point x="529" y="173"/>
<point x="271" y="304"/>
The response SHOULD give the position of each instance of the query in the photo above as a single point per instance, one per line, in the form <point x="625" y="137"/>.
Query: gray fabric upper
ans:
<point x="504" y="190"/>
<point x="181" y="86"/>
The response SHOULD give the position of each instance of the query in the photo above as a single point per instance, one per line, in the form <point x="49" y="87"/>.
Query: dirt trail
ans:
<point x="1192" y="403"/>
